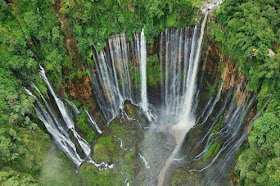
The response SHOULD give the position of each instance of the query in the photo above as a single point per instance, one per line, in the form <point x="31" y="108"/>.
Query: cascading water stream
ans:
<point x="212" y="106"/>
<point x="73" y="106"/>
<point x="231" y="125"/>
<point x="58" y="132"/>
<point x="143" y="75"/>
<point x="186" y="118"/>
<point x="234" y="147"/>
<point x="112" y="76"/>
<point x="120" y="74"/>
<point x="65" y="115"/>
<point x="147" y="166"/>
<point x="60" y="123"/>
<point x="93" y="123"/>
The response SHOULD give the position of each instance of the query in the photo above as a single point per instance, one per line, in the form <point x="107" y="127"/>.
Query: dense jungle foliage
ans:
<point x="59" y="35"/>
<point x="247" y="31"/>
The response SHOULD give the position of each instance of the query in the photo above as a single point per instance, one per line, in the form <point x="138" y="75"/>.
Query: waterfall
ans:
<point x="112" y="77"/>
<point x="232" y="123"/>
<point x="210" y="110"/>
<point x="58" y="130"/>
<point x="59" y="135"/>
<point x="59" y="123"/>
<point x="230" y="152"/>
<point x="230" y="130"/>
<point x="210" y="5"/>
<point x="105" y="88"/>
<point x="143" y="64"/>
<point x="147" y="166"/>
<point x="119" y="73"/>
<point x="65" y="115"/>
<point x="185" y="102"/>
<point x="73" y="106"/>
<point x="93" y="123"/>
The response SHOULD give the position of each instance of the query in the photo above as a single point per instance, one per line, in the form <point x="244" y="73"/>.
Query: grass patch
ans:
<point x="88" y="132"/>
<point x="213" y="150"/>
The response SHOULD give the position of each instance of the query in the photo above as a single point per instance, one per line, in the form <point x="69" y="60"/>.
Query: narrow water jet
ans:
<point x="73" y="106"/>
<point x="143" y="75"/>
<point x="93" y="123"/>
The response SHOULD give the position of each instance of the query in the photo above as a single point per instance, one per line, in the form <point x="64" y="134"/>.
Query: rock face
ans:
<point x="218" y="73"/>
<point x="80" y="89"/>
<point x="218" y="66"/>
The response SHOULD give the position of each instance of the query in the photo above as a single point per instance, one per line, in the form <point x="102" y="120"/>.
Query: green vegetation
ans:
<point x="135" y="76"/>
<point x="92" y="176"/>
<point x="58" y="170"/>
<point x="247" y="30"/>
<point x="218" y="125"/>
<point x="108" y="148"/>
<point x="86" y="130"/>
<point x="59" y="35"/>
<point x="94" y="21"/>
<point x="29" y="36"/>
<point x="79" y="74"/>
<point x="216" y="146"/>
<point x="183" y="177"/>
<point x="9" y="177"/>
<point x="153" y="71"/>
<point x="213" y="150"/>
<point x="212" y="89"/>
<point x="22" y="143"/>
<point x="260" y="164"/>
<point x="54" y="34"/>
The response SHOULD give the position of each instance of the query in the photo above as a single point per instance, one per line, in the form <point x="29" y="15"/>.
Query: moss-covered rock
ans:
<point x="92" y="176"/>
<point x="182" y="177"/>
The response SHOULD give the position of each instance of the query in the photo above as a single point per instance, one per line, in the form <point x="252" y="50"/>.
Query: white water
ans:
<point x="126" y="181"/>
<point x="210" y="5"/>
<point x="112" y="78"/>
<point x="179" y="60"/>
<point x="121" y="144"/>
<point x="65" y="115"/>
<point x="56" y="129"/>
<point x="144" y="161"/>
<point x="143" y="75"/>
<point x="73" y="106"/>
<point x="186" y="118"/>
<point x="59" y="125"/>
<point x="101" y="166"/>
<point x="107" y="92"/>
<point x="232" y="124"/>
<point x="93" y="122"/>
<point x="210" y="110"/>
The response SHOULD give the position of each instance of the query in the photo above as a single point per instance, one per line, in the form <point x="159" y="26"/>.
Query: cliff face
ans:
<point x="218" y="67"/>
<point x="218" y="72"/>
<point x="215" y="68"/>
<point x="77" y="79"/>
<point x="80" y="89"/>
